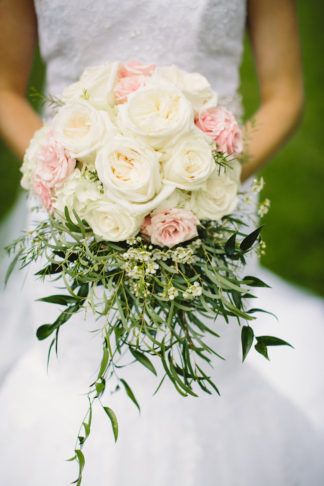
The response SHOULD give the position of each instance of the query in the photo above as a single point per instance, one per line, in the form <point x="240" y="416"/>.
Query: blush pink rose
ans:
<point x="128" y="85"/>
<point x="145" y="225"/>
<point x="220" y="125"/>
<point x="135" y="68"/>
<point x="44" y="194"/>
<point x="54" y="165"/>
<point x="169" y="227"/>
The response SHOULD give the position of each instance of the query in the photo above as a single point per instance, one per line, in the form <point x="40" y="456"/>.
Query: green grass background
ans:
<point x="294" y="228"/>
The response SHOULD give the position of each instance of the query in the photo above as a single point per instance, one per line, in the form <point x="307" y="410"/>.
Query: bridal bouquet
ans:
<point x="139" y="172"/>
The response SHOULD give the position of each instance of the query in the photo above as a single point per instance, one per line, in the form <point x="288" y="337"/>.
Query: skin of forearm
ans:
<point x="18" y="122"/>
<point x="269" y="129"/>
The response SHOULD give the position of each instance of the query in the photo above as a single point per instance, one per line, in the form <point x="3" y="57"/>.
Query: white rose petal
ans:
<point x="145" y="207"/>
<point x="195" y="87"/>
<point x="111" y="222"/>
<point x="96" y="85"/>
<point x="178" y="199"/>
<point x="156" y="114"/>
<point x="218" y="199"/>
<point x="129" y="170"/>
<point x="188" y="162"/>
<point x="76" y="193"/>
<point x="82" y="129"/>
<point x="31" y="156"/>
<point x="233" y="171"/>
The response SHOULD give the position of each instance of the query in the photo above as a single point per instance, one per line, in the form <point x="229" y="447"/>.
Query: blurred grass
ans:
<point x="294" y="228"/>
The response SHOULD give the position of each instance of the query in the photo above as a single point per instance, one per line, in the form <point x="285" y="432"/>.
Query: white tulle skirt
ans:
<point x="266" y="428"/>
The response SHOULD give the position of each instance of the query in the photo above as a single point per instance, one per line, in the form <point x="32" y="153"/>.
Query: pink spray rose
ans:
<point x="220" y="125"/>
<point x="135" y="68"/>
<point x="169" y="227"/>
<point x="128" y="85"/>
<point x="54" y="165"/>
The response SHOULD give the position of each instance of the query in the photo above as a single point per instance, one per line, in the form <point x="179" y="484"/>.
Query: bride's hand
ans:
<point x="18" y="37"/>
<point x="273" y="34"/>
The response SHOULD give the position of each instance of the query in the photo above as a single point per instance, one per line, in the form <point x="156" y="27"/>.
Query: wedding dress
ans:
<point x="262" y="430"/>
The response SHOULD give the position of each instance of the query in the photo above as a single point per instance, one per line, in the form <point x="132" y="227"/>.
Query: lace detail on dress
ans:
<point x="197" y="35"/>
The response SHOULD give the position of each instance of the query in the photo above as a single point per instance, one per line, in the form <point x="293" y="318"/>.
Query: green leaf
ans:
<point x="104" y="361"/>
<point x="247" y="336"/>
<point x="100" y="387"/>
<point x="50" y="269"/>
<point x="47" y="329"/>
<point x="249" y="240"/>
<point x="130" y="393"/>
<point x="272" y="341"/>
<point x="113" y="419"/>
<point x="58" y="299"/>
<point x="44" y="331"/>
<point x="252" y="311"/>
<point x="160" y="384"/>
<point x="230" y="245"/>
<point x="81" y="225"/>
<point x="262" y="349"/>
<point x="121" y="312"/>
<point x="254" y="282"/>
<point x="176" y="377"/>
<point x="143" y="359"/>
<point x="50" y="350"/>
<point x="69" y="223"/>
<point x="81" y="461"/>
<point x="83" y="290"/>
<point x="11" y="267"/>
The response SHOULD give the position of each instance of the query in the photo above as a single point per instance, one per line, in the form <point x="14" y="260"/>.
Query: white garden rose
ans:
<point x="138" y="208"/>
<point x="31" y="156"/>
<point x="82" y="129"/>
<point x="156" y="114"/>
<point x="96" y="85"/>
<point x="195" y="87"/>
<point x="217" y="199"/>
<point x="77" y="192"/>
<point x="111" y="222"/>
<point x="188" y="162"/>
<point x="129" y="170"/>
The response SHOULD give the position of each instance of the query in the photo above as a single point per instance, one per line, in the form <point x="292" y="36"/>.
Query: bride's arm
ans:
<point x="18" y="36"/>
<point x="273" y="32"/>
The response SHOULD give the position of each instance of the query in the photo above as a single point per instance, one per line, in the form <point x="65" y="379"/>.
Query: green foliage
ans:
<point x="150" y="303"/>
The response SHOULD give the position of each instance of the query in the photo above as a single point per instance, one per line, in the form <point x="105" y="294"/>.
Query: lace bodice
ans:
<point x="197" y="35"/>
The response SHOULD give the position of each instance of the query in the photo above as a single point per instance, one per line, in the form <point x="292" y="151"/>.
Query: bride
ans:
<point x="253" y="434"/>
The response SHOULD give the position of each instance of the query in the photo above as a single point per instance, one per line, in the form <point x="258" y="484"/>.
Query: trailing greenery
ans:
<point x="150" y="301"/>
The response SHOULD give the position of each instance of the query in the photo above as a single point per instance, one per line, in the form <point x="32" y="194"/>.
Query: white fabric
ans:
<point x="267" y="426"/>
